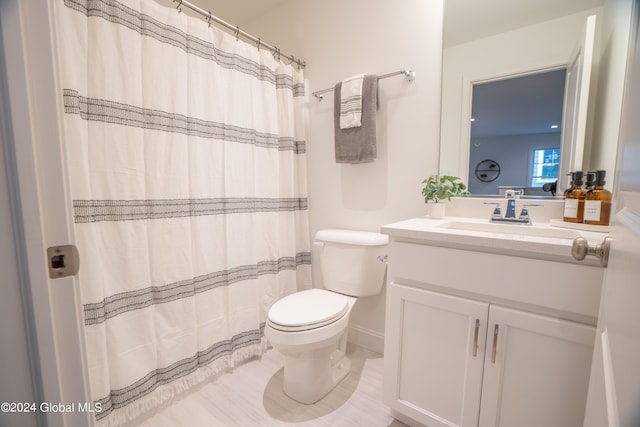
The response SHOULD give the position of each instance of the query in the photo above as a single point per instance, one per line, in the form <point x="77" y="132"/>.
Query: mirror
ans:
<point x="496" y="39"/>
<point x="516" y="123"/>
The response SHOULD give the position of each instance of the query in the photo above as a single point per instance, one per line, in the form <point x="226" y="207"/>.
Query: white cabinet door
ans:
<point x="536" y="370"/>
<point x="434" y="350"/>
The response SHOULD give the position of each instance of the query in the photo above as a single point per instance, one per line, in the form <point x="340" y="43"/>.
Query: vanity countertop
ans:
<point x="545" y="240"/>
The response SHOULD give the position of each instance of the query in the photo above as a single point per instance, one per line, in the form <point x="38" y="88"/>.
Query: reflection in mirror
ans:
<point x="486" y="40"/>
<point x="516" y="128"/>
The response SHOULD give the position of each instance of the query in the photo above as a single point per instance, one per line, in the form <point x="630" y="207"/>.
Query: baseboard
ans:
<point x="366" y="338"/>
<point x="404" y="419"/>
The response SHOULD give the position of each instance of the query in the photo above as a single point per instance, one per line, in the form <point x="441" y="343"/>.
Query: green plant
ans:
<point x="440" y="187"/>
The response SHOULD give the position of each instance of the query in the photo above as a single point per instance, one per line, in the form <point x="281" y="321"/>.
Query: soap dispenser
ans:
<point x="574" y="199"/>
<point x="597" y="205"/>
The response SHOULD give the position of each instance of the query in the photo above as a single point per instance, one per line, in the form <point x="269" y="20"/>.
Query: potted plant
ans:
<point x="437" y="188"/>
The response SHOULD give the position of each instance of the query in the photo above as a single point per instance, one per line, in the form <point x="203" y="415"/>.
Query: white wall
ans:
<point x="613" y="58"/>
<point x="535" y="47"/>
<point x="339" y="39"/>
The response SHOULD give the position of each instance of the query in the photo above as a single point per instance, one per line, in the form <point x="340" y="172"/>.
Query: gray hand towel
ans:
<point x="357" y="144"/>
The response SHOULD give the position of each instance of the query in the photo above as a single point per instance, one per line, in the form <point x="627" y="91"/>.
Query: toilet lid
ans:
<point x="308" y="309"/>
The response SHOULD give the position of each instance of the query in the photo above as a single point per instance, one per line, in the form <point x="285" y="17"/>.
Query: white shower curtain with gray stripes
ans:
<point x="186" y="155"/>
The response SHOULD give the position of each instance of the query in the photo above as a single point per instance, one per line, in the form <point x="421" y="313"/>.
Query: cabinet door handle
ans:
<point x="475" y="338"/>
<point x="496" y="331"/>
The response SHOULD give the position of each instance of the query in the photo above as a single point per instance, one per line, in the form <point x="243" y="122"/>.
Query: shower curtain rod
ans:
<point x="238" y="32"/>
<point x="409" y="74"/>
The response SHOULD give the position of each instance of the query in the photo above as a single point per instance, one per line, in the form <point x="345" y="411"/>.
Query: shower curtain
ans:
<point x="186" y="156"/>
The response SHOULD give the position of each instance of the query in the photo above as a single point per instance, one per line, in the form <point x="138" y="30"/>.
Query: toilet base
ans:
<point x="311" y="375"/>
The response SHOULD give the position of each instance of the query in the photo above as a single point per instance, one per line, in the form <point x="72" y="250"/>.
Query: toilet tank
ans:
<point x="351" y="262"/>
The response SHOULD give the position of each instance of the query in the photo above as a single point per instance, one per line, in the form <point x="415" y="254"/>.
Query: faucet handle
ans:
<point x="496" y="212"/>
<point x="524" y="214"/>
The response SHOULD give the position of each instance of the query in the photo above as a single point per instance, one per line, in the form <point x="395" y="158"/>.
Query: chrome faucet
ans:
<point x="511" y="209"/>
<point x="510" y="215"/>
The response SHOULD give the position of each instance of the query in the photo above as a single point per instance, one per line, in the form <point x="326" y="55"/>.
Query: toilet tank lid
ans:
<point x="352" y="237"/>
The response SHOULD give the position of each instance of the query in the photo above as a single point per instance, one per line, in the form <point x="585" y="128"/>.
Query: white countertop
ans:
<point x="540" y="240"/>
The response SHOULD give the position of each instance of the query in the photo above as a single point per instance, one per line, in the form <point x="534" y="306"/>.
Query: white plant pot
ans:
<point x="436" y="210"/>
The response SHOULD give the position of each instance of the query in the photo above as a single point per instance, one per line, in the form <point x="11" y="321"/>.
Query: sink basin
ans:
<point x="522" y="230"/>
<point x="542" y="240"/>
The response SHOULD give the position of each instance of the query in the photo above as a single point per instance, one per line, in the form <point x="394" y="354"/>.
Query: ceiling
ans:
<point x="235" y="12"/>
<point x="466" y="20"/>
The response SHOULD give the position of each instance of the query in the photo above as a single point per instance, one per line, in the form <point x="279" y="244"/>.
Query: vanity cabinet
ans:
<point x="478" y="339"/>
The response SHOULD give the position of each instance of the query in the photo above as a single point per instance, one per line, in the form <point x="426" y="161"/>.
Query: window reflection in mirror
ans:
<point x="516" y="123"/>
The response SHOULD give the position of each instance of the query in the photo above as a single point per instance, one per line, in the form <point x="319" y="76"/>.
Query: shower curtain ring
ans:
<point x="237" y="33"/>
<point x="209" y="19"/>
<point x="178" y="7"/>
<point x="293" y="58"/>
<point x="258" y="45"/>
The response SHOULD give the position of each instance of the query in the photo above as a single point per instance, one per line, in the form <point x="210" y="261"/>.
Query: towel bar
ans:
<point x="410" y="75"/>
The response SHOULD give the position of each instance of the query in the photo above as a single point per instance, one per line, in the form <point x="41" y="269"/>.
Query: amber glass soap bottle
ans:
<point x="574" y="199"/>
<point x="597" y="206"/>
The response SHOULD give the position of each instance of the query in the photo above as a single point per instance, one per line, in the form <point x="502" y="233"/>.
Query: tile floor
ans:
<point x="252" y="396"/>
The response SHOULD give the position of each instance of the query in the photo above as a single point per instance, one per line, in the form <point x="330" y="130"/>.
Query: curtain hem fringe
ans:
<point x="180" y="387"/>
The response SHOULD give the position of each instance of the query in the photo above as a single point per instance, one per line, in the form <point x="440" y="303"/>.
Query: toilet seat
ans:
<point x="306" y="310"/>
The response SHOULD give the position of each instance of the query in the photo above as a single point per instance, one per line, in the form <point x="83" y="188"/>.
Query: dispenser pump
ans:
<point x="590" y="178"/>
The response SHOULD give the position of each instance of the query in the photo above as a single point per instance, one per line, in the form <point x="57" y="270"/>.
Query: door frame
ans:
<point x="41" y="208"/>
<point x="613" y="388"/>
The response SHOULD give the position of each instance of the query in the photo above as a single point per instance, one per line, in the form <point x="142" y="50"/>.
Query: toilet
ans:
<point x="309" y="328"/>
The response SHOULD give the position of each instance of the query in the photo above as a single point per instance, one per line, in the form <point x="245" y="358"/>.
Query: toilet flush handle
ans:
<point x="383" y="258"/>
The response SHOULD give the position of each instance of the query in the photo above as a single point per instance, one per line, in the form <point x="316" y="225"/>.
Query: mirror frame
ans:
<point x="464" y="145"/>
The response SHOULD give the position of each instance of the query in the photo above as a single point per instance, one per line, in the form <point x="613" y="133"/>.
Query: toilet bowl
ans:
<point x="309" y="328"/>
<point x="314" y="353"/>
